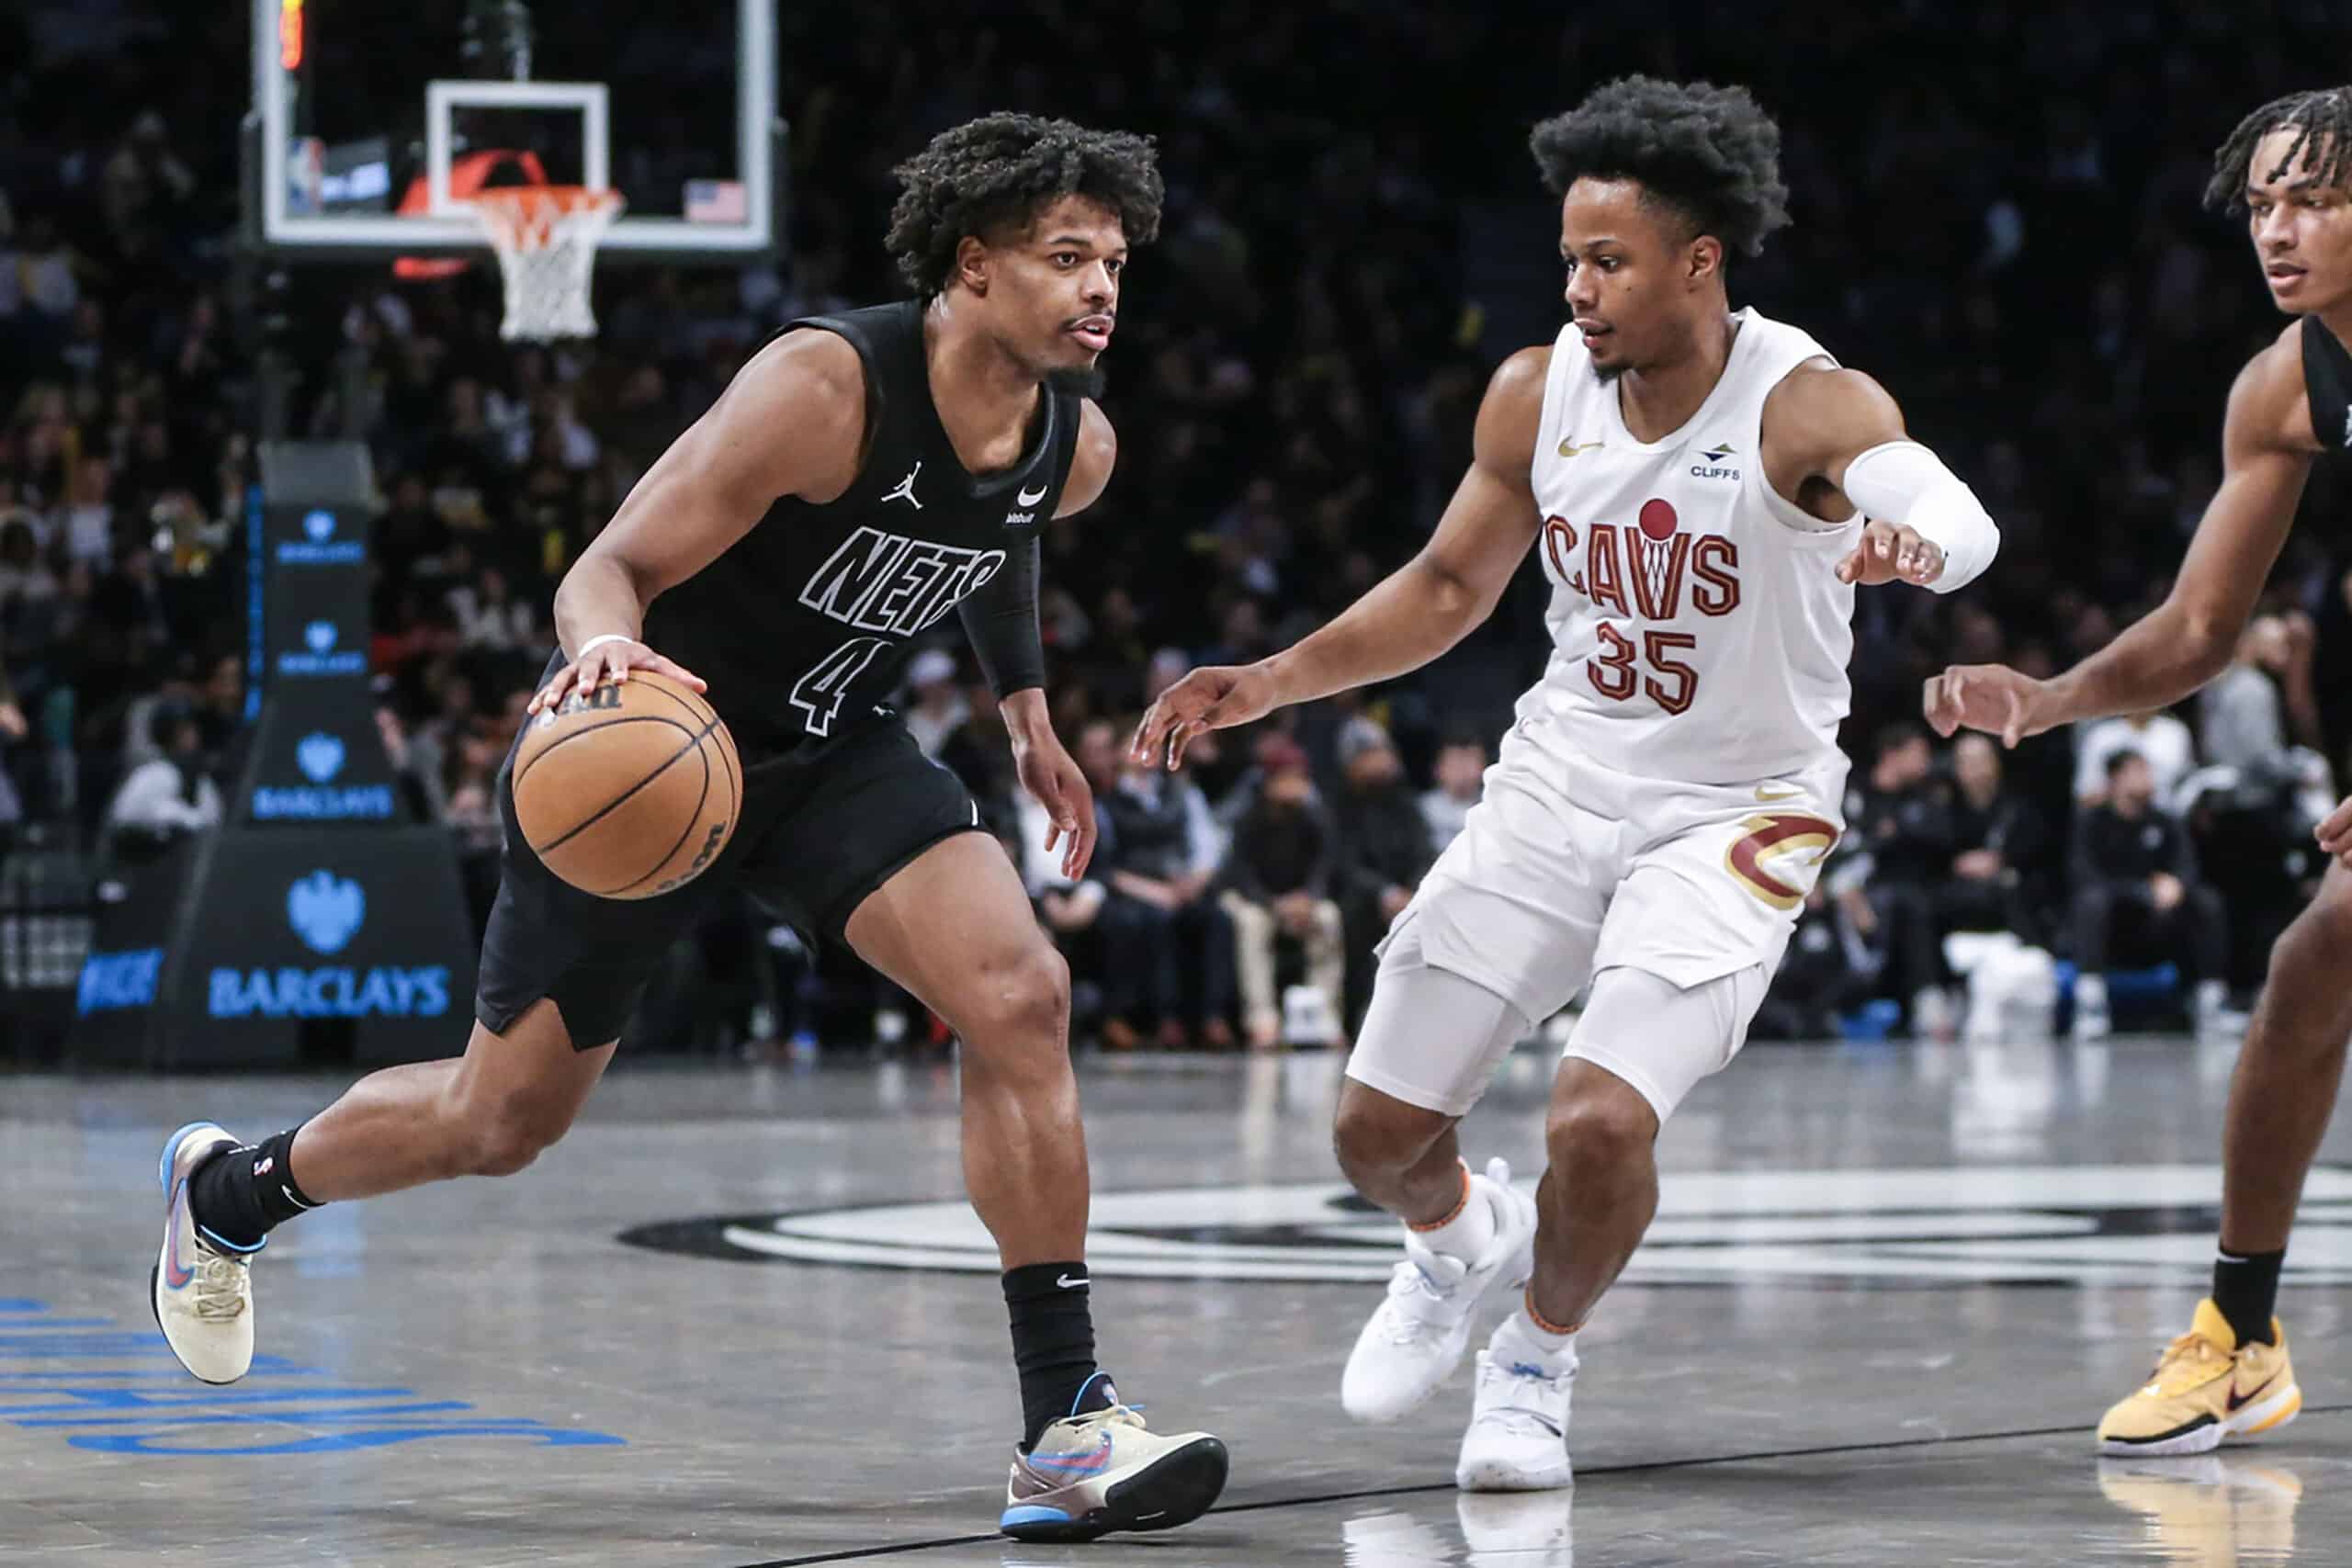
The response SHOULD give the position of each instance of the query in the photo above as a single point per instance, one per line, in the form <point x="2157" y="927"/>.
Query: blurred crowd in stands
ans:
<point x="2012" y="242"/>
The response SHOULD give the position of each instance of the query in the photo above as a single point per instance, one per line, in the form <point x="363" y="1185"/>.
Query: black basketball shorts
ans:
<point x="819" y="829"/>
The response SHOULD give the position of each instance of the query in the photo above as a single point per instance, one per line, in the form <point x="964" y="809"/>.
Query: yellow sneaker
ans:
<point x="2205" y="1389"/>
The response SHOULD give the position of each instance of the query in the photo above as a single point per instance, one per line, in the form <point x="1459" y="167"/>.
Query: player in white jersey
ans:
<point x="1694" y="481"/>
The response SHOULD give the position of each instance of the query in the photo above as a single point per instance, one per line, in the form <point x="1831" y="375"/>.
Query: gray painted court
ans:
<point x="1813" y="1365"/>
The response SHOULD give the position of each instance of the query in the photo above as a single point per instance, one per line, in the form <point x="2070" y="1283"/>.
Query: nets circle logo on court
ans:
<point x="1897" y="1228"/>
<point x="326" y="910"/>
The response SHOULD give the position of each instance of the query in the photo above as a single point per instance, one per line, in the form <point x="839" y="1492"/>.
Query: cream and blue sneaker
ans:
<point x="1087" y="1476"/>
<point x="201" y="1287"/>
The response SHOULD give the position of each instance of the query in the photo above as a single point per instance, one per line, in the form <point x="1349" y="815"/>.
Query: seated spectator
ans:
<point x="173" y="794"/>
<point x="1278" y="877"/>
<point x="1071" y="912"/>
<point x="1167" y="946"/>
<point x="1827" y="971"/>
<point x="1996" y="840"/>
<point x="936" y="708"/>
<point x="1384" y="848"/>
<point x="2136" y="886"/>
<point x="1461" y="780"/>
<point x="2162" y="741"/>
<point x="1899" y="825"/>
<point x="2243" y="718"/>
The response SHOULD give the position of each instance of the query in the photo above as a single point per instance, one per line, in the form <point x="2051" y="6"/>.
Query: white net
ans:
<point x="545" y="238"/>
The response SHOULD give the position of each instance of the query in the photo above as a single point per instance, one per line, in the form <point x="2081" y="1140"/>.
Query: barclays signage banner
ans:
<point x="319" y="654"/>
<point x="321" y="539"/>
<point x="325" y="912"/>
<point x="319" y="757"/>
<point x="272" y="934"/>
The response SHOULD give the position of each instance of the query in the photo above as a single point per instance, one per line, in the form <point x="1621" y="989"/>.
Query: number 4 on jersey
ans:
<point x="819" y="694"/>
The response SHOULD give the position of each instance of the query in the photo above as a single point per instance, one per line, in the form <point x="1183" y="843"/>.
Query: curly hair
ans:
<point x="1710" y="153"/>
<point x="1002" y="170"/>
<point x="2316" y="118"/>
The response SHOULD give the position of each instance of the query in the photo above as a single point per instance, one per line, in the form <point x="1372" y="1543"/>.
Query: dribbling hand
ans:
<point x="1217" y="696"/>
<point x="608" y="661"/>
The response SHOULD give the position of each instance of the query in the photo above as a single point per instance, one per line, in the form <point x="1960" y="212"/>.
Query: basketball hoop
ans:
<point x="545" y="239"/>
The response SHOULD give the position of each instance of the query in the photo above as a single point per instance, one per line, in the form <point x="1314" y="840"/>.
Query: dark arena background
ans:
<point x="285" y="498"/>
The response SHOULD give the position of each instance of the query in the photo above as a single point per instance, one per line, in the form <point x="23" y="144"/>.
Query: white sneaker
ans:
<point x="2091" y="1022"/>
<point x="2215" y="1018"/>
<point x="1417" y="1337"/>
<point x="1518" y="1438"/>
<point x="201" y="1287"/>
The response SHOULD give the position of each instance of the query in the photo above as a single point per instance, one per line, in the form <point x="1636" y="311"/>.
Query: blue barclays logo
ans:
<point x="110" y="1390"/>
<point x="326" y="910"/>
<point x="320" y="756"/>
<point x="319" y="547"/>
<point x="319" y="655"/>
<point x="334" y="992"/>
<point x="116" y="980"/>
<point x="358" y="802"/>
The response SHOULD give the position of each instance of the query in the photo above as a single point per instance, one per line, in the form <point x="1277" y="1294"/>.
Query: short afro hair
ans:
<point x="1000" y="171"/>
<point x="1712" y="154"/>
<point x="2321" y="122"/>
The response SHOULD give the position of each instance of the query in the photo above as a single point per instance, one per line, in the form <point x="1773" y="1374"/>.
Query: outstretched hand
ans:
<point x="1217" y="696"/>
<point x="1888" y="552"/>
<point x="1990" y="697"/>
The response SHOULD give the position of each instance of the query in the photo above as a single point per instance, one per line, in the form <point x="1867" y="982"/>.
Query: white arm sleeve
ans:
<point x="1902" y="481"/>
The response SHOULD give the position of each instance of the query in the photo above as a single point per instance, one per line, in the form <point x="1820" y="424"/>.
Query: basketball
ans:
<point x="630" y="792"/>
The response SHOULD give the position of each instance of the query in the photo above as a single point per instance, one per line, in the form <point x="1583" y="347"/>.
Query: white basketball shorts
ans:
<point x="1566" y="871"/>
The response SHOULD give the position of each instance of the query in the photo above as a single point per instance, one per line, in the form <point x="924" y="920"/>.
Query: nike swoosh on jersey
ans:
<point x="1032" y="497"/>
<point x="1767" y="792"/>
<point x="1569" y="448"/>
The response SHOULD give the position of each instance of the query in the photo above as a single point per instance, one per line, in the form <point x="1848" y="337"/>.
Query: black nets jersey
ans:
<point x="2327" y="379"/>
<point x="804" y="625"/>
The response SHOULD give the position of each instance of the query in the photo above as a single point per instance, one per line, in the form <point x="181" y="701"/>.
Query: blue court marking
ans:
<point x="168" y="1412"/>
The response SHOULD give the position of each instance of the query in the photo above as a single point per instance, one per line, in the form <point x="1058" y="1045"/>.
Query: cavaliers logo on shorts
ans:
<point x="1772" y="837"/>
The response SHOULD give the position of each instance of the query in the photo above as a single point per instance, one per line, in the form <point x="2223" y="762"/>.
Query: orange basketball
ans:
<point x="630" y="792"/>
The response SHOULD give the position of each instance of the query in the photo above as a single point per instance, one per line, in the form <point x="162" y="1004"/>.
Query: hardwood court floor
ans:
<point x="1888" y="1292"/>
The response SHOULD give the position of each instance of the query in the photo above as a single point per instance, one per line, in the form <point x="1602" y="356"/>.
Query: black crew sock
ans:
<point x="2245" y="1287"/>
<point x="1053" y="1345"/>
<point x="239" y="1194"/>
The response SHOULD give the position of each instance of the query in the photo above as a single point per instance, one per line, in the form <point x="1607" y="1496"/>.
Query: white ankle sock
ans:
<point x="1526" y="1341"/>
<point x="1471" y="1230"/>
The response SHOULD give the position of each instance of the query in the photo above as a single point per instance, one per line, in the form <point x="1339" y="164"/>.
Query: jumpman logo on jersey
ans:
<point x="906" y="490"/>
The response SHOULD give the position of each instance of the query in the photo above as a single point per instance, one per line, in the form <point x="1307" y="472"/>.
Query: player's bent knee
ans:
<point x="1599" y="1127"/>
<point x="1374" y="1132"/>
<point x="1023" y="1001"/>
<point x="503" y="1136"/>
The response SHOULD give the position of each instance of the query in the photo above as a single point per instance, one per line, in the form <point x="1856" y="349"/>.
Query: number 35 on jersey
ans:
<point x="1651" y="570"/>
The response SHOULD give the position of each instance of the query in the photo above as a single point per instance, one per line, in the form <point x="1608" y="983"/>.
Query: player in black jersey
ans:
<point x="2289" y="163"/>
<point x="861" y="477"/>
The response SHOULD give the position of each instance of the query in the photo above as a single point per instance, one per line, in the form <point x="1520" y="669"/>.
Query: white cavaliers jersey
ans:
<point x="1700" y="631"/>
